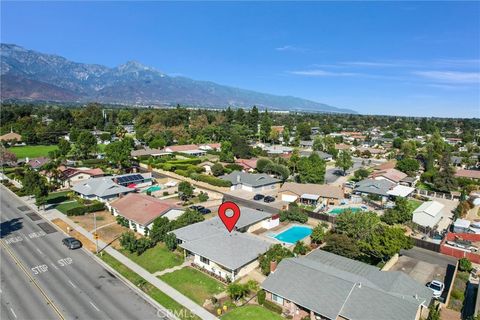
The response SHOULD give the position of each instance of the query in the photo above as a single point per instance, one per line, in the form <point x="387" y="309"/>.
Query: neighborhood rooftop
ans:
<point x="333" y="286"/>
<point x="250" y="179"/>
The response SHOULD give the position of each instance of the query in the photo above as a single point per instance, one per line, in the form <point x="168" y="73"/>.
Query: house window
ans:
<point x="277" y="299"/>
<point x="204" y="260"/>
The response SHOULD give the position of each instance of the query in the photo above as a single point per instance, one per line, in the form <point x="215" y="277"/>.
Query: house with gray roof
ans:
<point x="253" y="182"/>
<point x="323" y="155"/>
<point x="102" y="189"/>
<point x="230" y="255"/>
<point x="374" y="187"/>
<point x="324" y="285"/>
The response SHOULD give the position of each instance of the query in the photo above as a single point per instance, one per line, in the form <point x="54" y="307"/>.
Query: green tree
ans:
<point x="86" y="144"/>
<point x="64" y="147"/>
<point x="409" y="166"/>
<point x="344" y="161"/>
<point x="119" y="152"/>
<point x="318" y="144"/>
<point x="304" y="130"/>
<point x="185" y="188"/>
<point x="465" y="265"/>
<point x="311" y="169"/>
<point x="265" y="126"/>
<point x="356" y="225"/>
<point x="445" y="180"/>
<point x="343" y="245"/>
<point x="263" y="164"/>
<point x="294" y="213"/>
<point x="434" y="312"/>
<point x="161" y="226"/>
<point x="361" y="174"/>
<point x="226" y="152"/>
<point x="187" y="218"/>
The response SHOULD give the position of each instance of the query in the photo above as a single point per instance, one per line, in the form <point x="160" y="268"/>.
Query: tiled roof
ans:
<point x="141" y="208"/>
<point x="323" y="190"/>
<point x="473" y="174"/>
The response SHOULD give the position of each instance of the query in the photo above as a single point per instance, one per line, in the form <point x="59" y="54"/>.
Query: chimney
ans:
<point x="273" y="266"/>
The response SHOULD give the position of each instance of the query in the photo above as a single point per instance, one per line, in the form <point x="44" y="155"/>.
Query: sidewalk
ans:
<point x="164" y="287"/>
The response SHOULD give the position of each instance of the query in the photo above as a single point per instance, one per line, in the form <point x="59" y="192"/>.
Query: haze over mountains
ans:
<point x="31" y="75"/>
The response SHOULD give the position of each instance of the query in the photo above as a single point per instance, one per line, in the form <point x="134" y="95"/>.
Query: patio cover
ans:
<point x="401" y="191"/>
<point x="309" y="196"/>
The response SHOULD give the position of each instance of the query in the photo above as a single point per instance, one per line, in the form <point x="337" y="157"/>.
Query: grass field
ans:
<point x="413" y="204"/>
<point x="63" y="207"/>
<point x="149" y="289"/>
<point x="194" y="284"/>
<point x="156" y="259"/>
<point x="32" y="151"/>
<point x="251" y="312"/>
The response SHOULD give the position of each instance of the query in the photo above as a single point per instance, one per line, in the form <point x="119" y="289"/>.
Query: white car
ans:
<point x="437" y="288"/>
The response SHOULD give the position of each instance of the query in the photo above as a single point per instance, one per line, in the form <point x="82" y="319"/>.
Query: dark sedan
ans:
<point x="205" y="211"/>
<point x="72" y="243"/>
<point x="258" y="197"/>
<point x="268" y="199"/>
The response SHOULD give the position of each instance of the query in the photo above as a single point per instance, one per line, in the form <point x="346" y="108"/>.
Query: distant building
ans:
<point x="37" y="163"/>
<point x="469" y="174"/>
<point x="311" y="194"/>
<point x="11" y="137"/>
<point x="103" y="189"/>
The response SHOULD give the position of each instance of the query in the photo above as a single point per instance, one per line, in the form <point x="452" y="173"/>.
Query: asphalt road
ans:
<point x="333" y="174"/>
<point x="77" y="286"/>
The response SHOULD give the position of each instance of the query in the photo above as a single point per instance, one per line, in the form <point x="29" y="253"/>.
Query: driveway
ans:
<point x="334" y="174"/>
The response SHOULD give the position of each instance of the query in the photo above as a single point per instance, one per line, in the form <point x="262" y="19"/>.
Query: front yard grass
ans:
<point x="194" y="284"/>
<point x="156" y="259"/>
<point x="251" y="312"/>
<point x="63" y="207"/>
<point x="32" y="151"/>
<point x="413" y="204"/>
<point x="148" y="288"/>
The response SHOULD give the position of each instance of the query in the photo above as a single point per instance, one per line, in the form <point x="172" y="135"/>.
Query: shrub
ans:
<point x="183" y="173"/>
<point x="212" y="180"/>
<point x="294" y="213"/>
<point x="76" y="211"/>
<point x="457" y="294"/>
<point x="203" y="196"/>
<point x="170" y="241"/>
<point x="165" y="193"/>
<point x="300" y="248"/>
<point x="272" y="307"/>
<point x="464" y="265"/>
<point x="96" y="206"/>
<point x="261" y="296"/>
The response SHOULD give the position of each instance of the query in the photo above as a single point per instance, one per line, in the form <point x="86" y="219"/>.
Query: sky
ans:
<point x="398" y="58"/>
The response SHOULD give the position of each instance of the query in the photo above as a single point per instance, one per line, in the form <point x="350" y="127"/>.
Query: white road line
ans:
<point x="39" y="251"/>
<point x="94" y="306"/>
<point x="54" y="266"/>
<point x="72" y="284"/>
<point x="13" y="312"/>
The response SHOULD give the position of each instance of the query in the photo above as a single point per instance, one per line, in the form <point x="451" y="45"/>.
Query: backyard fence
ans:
<point x="435" y="247"/>
<point x="435" y="194"/>
<point x="321" y="216"/>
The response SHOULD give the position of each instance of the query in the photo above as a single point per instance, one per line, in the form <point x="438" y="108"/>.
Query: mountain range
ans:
<point x="31" y="75"/>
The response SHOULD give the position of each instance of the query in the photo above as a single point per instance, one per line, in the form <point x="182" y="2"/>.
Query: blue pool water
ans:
<point x="337" y="211"/>
<point x="153" y="188"/>
<point x="293" y="234"/>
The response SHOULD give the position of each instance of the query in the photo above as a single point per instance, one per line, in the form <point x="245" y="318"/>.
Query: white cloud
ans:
<point x="450" y="76"/>
<point x="323" y="73"/>
<point x="290" y="48"/>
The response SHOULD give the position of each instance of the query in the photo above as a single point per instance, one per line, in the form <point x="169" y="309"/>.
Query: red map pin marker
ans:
<point x="231" y="221"/>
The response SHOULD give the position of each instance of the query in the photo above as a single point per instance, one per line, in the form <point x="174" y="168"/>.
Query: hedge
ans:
<point x="80" y="211"/>
<point x="182" y="173"/>
<point x="272" y="306"/>
<point x="212" y="180"/>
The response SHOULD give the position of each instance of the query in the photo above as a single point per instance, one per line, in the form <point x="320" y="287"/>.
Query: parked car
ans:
<point x="258" y="197"/>
<point x="72" y="243"/>
<point x="437" y="288"/>
<point x="197" y="208"/>
<point x="205" y="211"/>
<point x="268" y="199"/>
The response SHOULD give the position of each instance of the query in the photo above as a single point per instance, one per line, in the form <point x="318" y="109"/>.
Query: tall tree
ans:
<point x="344" y="161"/>
<point x="119" y="152"/>
<point x="265" y="126"/>
<point x="86" y="144"/>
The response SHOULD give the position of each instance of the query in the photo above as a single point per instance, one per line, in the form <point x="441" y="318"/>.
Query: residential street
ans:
<point x="333" y="177"/>
<point x="78" y="286"/>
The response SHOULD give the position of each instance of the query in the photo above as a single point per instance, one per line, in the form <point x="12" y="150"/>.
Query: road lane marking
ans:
<point x="40" y="269"/>
<point x="65" y="261"/>
<point x="72" y="284"/>
<point x="54" y="266"/>
<point x="32" y="279"/>
<point x="94" y="306"/>
<point x="13" y="312"/>
<point x="14" y="239"/>
<point x="39" y="251"/>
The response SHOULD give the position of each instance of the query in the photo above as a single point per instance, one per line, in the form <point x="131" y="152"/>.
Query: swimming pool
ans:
<point x="293" y="234"/>
<point x="337" y="211"/>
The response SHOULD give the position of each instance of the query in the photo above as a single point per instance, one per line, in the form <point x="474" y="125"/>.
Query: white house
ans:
<point x="428" y="214"/>
<point x="251" y="182"/>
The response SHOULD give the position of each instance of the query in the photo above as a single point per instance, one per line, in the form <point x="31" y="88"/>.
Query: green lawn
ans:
<point x="63" y="207"/>
<point x="194" y="284"/>
<point x="156" y="259"/>
<point x="149" y="289"/>
<point x="32" y="151"/>
<point x="251" y="312"/>
<point x="57" y="197"/>
<point x="413" y="204"/>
